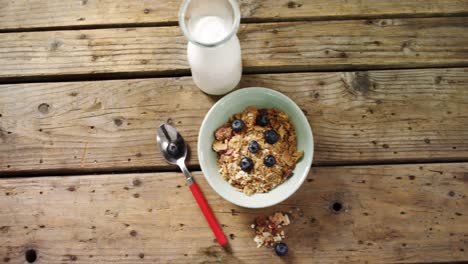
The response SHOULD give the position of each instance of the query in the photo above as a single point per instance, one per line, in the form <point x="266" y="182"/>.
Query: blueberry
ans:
<point x="173" y="150"/>
<point x="237" y="125"/>
<point x="253" y="146"/>
<point x="281" y="249"/>
<point x="269" y="161"/>
<point x="262" y="119"/>
<point x="271" y="136"/>
<point x="246" y="164"/>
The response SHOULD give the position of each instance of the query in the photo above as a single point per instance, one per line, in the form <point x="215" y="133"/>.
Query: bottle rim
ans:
<point x="234" y="27"/>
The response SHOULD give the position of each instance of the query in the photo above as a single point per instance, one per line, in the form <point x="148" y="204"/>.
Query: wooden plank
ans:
<point x="390" y="214"/>
<point x="24" y="14"/>
<point x="357" y="117"/>
<point x="289" y="46"/>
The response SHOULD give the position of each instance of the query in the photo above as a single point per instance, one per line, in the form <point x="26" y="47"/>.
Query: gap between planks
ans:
<point x="195" y="169"/>
<point x="243" y="21"/>
<point x="186" y="73"/>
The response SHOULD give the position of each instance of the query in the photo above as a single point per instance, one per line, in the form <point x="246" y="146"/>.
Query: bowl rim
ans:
<point x="301" y="116"/>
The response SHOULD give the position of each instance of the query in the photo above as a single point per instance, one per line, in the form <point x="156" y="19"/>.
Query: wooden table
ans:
<point x="384" y="85"/>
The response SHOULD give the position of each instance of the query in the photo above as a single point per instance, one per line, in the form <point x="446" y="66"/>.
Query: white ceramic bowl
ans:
<point x="236" y="102"/>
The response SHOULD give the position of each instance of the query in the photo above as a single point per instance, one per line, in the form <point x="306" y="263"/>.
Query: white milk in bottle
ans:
<point x="215" y="70"/>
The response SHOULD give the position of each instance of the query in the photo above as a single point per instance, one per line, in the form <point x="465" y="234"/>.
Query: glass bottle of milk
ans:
<point x="213" y="49"/>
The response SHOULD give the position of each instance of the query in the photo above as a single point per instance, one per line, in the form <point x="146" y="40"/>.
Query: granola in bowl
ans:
<point x="257" y="149"/>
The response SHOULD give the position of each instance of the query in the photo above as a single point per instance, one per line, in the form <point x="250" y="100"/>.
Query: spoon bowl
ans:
<point x="171" y="143"/>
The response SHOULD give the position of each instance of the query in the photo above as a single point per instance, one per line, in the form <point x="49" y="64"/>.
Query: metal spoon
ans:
<point x="174" y="150"/>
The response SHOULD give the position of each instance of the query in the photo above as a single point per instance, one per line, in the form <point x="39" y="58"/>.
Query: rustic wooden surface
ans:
<point x="266" y="47"/>
<point x="357" y="117"/>
<point x="406" y="213"/>
<point x="26" y="14"/>
<point x="73" y="101"/>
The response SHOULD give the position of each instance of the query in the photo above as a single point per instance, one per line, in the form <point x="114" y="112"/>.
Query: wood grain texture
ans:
<point x="267" y="47"/>
<point x="26" y="14"/>
<point x="356" y="117"/>
<point x="390" y="214"/>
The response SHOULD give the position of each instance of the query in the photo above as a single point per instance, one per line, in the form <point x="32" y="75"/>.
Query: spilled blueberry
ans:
<point x="246" y="164"/>
<point x="269" y="161"/>
<point x="271" y="136"/>
<point x="253" y="146"/>
<point x="262" y="119"/>
<point x="237" y="125"/>
<point x="281" y="249"/>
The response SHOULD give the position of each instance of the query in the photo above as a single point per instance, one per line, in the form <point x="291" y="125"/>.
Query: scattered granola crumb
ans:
<point x="269" y="231"/>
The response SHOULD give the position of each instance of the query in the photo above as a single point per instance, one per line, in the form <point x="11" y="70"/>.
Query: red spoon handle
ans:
<point x="205" y="208"/>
